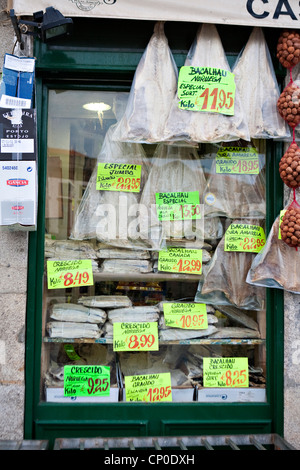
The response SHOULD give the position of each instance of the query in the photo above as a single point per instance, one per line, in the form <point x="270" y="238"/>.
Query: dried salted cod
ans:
<point x="200" y="126"/>
<point x="258" y="89"/>
<point x="105" y="301"/>
<point x="235" y="195"/>
<point x="69" y="249"/>
<point x="225" y="280"/>
<point x="235" y="332"/>
<point x="152" y="93"/>
<point x="111" y="216"/>
<point x="177" y="334"/>
<point x="61" y="329"/>
<point x="126" y="266"/>
<point x="133" y="314"/>
<point x="237" y="316"/>
<point x="77" y="313"/>
<point x="175" y="169"/>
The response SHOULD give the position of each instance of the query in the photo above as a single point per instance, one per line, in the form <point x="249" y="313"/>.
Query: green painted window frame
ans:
<point x="69" y="66"/>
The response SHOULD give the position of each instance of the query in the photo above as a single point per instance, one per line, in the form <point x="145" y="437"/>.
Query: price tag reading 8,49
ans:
<point x="135" y="336"/>
<point x="206" y="89"/>
<point x="69" y="273"/>
<point x="225" y="372"/>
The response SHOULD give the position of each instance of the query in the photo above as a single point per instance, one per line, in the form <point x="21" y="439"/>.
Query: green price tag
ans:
<point x="82" y="381"/>
<point x="135" y="336"/>
<point x="206" y="89"/>
<point x="149" y="388"/>
<point x="119" y="177"/>
<point x="185" y="315"/>
<point x="69" y="273"/>
<point x="228" y="372"/>
<point x="244" y="237"/>
<point x="237" y="161"/>
<point x="280" y="220"/>
<point x="178" y="205"/>
<point x="180" y="260"/>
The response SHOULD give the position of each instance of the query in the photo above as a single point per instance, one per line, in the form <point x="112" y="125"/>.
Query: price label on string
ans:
<point x="152" y="388"/>
<point x="228" y="372"/>
<point x="244" y="237"/>
<point x="119" y="177"/>
<point x="237" y="161"/>
<point x="86" y="381"/>
<point x="135" y="336"/>
<point x="69" y="273"/>
<point x="185" y="315"/>
<point x="206" y="89"/>
<point x="178" y="205"/>
<point x="180" y="260"/>
<point x="280" y="220"/>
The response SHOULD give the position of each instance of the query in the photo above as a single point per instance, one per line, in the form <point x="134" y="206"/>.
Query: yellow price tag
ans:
<point x="69" y="273"/>
<point x="180" y="260"/>
<point x="185" y="315"/>
<point x="280" y="220"/>
<point x="149" y="388"/>
<point x="119" y="177"/>
<point x="231" y="372"/>
<point x="135" y="336"/>
<point x="237" y="161"/>
<point x="244" y="237"/>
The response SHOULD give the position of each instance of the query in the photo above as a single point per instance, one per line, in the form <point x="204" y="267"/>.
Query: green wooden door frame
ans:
<point x="72" y="66"/>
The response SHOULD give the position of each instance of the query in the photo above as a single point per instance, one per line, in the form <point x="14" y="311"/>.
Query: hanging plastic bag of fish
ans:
<point x="208" y="57"/>
<point x="277" y="265"/>
<point x="152" y="92"/>
<point x="258" y="89"/>
<point x="109" y="208"/>
<point x="172" y="198"/>
<point x="236" y="182"/>
<point x="225" y="279"/>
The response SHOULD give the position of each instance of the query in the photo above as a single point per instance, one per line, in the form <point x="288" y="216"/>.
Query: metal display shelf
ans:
<point x="24" y="445"/>
<point x="220" y="341"/>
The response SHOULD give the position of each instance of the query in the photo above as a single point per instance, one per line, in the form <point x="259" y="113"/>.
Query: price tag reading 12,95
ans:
<point x="135" y="336"/>
<point x="225" y="372"/>
<point x="185" y="315"/>
<point x="69" y="273"/>
<point x="150" y="388"/>
<point x="206" y="89"/>
<point x="86" y="380"/>
<point x="180" y="260"/>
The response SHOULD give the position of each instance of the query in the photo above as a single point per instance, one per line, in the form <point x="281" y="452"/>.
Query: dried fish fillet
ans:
<point x="77" y="313"/>
<point x="238" y="316"/>
<point x="126" y="266"/>
<point x="259" y="95"/>
<point x="199" y="126"/>
<point x="177" y="334"/>
<point x="121" y="253"/>
<point x="69" y="249"/>
<point x="132" y="314"/>
<point x="235" y="332"/>
<point x="153" y="88"/>
<point x="59" y="329"/>
<point x="105" y="301"/>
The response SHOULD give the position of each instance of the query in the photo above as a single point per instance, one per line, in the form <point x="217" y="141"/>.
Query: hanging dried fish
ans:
<point x="77" y="313"/>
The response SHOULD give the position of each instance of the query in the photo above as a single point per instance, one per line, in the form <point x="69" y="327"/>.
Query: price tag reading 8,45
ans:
<point x="69" y="273"/>
<point x="206" y="89"/>
<point x="225" y="372"/>
<point x="135" y="336"/>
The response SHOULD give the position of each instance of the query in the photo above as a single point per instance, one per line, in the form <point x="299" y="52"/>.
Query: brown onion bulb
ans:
<point x="288" y="104"/>
<point x="288" y="48"/>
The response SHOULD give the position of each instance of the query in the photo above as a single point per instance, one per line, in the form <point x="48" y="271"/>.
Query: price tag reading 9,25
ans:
<point x="225" y="372"/>
<point x="86" y="380"/>
<point x="206" y="89"/>
<point x="149" y="388"/>
<point x="69" y="273"/>
<point x="180" y="260"/>
<point x="135" y="336"/>
<point x="185" y="315"/>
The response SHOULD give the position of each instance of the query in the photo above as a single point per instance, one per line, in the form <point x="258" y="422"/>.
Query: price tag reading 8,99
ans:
<point x="69" y="273"/>
<point x="135" y="336"/>
<point x="206" y="89"/>
<point x="225" y="372"/>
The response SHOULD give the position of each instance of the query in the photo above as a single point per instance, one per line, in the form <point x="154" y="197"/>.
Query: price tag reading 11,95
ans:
<point x="225" y="372"/>
<point x="135" y="336"/>
<point x="180" y="260"/>
<point x="69" y="273"/>
<point x="206" y="89"/>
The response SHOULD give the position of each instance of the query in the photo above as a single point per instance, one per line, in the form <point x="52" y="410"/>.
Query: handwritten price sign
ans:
<point x="225" y="372"/>
<point x="86" y="381"/>
<point x="244" y="237"/>
<point x="185" y="315"/>
<point x="178" y="205"/>
<point x="180" y="260"/>
<point x="238" y="161"/>
<point x="149" y="388"/>
<point x="206" y="89"/>
<point x="137" y="336"/>
<point x="72" y="273"/>
<point x="119" y="177"/>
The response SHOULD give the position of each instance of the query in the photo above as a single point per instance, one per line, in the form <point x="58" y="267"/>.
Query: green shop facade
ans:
<point x="97" y="62"/>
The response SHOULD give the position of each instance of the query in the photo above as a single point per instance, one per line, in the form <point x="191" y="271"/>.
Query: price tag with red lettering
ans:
<point x="135" y="336"/>
<point x="237" y="161"/>
<point x="69" y="273"/>
<point x="180" y="260"/>
<point x="124" y="177"/>
<point x="228" y="372"/>
<point x="178" y="205"/>
<point x="206" y="89"/>
<point x="244" y="237"/>
<point x="185" y="315"/>
<point x="86" y="381"/>
<point x="152" y="388"/>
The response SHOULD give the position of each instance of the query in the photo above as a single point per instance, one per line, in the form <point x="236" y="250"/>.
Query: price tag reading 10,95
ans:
<point x="225" y="372"/>
<point x="206" y="89"/>
<point x="180" y="260"/>
<point x="185" y="315"/>
<point x="135" y="336"/>
<point x="69" y="273"/>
